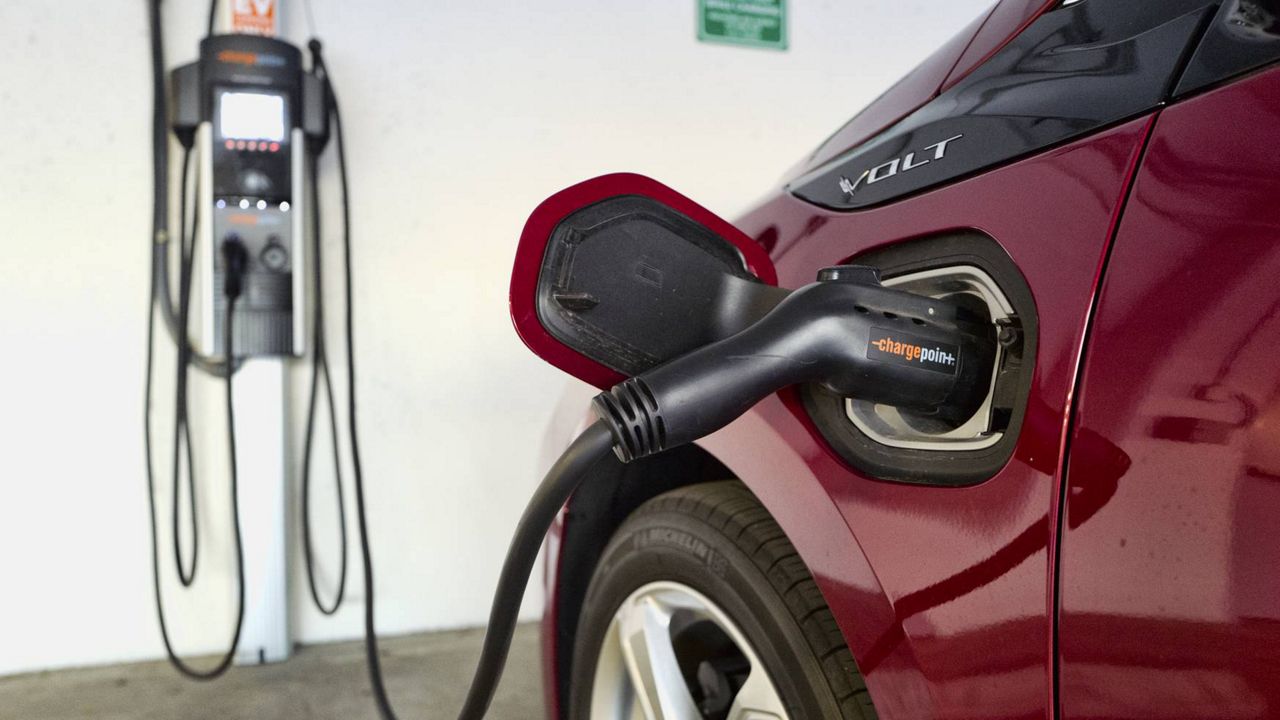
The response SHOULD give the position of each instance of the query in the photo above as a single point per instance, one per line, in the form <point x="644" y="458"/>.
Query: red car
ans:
<point x="1099" y="179"/>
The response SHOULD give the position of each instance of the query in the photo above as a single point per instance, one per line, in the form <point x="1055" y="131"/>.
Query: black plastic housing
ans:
<point x="1074" y="70"/>
<point x="1013" y="384"/>
<point x="631" y="283"/>
<point x="251" y="188"/>
<point x="1244" y="35"/>
<point x="847" y="333"/>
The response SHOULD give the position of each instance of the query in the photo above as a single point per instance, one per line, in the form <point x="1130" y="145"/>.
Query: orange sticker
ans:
<point x="238" y="57"/>
<point x="254" y="17"/>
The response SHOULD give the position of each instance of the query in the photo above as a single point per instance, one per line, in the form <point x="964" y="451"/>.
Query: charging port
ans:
<point x="971" y="270"/>
<point x="898" y="428"/>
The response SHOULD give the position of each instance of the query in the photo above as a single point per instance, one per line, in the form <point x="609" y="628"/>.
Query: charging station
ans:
<point x="253" y="111"/>
<point x="252" y="118"/>
<point x="248" y="98"/>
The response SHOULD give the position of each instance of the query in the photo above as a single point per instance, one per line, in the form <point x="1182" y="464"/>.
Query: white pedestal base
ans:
<point x="259" y="394"/>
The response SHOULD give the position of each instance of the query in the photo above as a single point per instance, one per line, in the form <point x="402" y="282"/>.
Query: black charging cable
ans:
<point x="160" y="247"/>
<point x="320" y="369"/>
<point x="235" y="259"/>
<point x="371" y="638"/>
<point x="213" y="16"/>
<point x="181" y="426"/>
<point x="570" y="469"/>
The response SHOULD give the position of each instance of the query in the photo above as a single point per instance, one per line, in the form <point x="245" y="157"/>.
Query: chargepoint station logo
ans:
<point x="906" y="349"/>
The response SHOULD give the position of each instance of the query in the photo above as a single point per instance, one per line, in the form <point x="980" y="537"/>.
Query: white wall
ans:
<point x="461" y="117"/>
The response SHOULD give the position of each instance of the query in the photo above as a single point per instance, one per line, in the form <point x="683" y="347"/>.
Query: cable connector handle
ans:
<point x="848" y="333"/>
<point x="631" y="412"/>
<point x="235" y="263"/>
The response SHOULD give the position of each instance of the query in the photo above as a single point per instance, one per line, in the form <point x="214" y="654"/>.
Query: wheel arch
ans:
<point x="592" y="516"/>
<point x="773" y="467"/>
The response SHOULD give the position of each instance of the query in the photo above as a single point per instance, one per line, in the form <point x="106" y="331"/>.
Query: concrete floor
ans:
<point x="427" y="677"/>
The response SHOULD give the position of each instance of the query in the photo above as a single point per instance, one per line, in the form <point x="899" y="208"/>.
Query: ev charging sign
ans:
<point x="254" y="17"/>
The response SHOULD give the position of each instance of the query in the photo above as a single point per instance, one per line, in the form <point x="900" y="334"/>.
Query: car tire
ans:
<point x="717" y="541"/>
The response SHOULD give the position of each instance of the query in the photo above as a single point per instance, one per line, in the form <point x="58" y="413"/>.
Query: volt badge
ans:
<point x="906" y="163"/>
<point x="903" y="349"/>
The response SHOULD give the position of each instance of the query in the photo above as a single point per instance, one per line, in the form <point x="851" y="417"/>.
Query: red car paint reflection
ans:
<point x="1170" y="597"/>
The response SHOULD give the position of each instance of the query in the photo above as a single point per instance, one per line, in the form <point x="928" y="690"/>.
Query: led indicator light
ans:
<point x="284" y="206"/>
<point x="262" y="204"/>
<point x="275" y="146"/>
<point x="244" y="204"/>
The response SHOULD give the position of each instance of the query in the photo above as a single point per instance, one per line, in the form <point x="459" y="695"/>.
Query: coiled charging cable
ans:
<point x="235" y="258"/>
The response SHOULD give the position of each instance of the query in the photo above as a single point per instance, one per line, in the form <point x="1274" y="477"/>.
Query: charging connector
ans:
<point x="846" y="332"/>
<point x="235" y="261"/>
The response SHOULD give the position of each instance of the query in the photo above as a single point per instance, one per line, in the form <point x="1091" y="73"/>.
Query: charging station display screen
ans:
<point x="251" y="116"/>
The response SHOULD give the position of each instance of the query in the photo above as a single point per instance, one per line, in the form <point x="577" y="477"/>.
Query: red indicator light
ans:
<point x="275" y="146"/>
<point x="253" y="145"/>
<point x="239" y="144"/>
<point x="231" y="144"/>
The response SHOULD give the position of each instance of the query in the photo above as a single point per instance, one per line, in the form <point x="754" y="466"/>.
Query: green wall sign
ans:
<point x="759" y="23"/>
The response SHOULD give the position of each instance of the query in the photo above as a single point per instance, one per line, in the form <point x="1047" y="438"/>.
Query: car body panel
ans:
<point x="963" y="568"/>
<point x="1244" y="35"/>
<point x="1170" y="593"/>
<point x="1072" y="72"/>
<point x="1006" y="20"/>
<point x="949" y="598"/>
<point x="914" y="89"/>
<point x="942" y="592"/>
<point x="951" y="62"/>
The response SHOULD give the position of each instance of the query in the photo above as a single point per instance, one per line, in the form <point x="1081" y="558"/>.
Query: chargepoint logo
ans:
<point x="906" y="349"/>
<point x="250" y="59"/>
<point x="906" y="163"/>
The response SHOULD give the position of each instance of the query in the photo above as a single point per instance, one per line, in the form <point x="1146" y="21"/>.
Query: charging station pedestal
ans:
<point x="262" y="388"/>
<point x="269" y="332"/>
<point x="254" y="116"/>
<point x="260" y="394"/>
